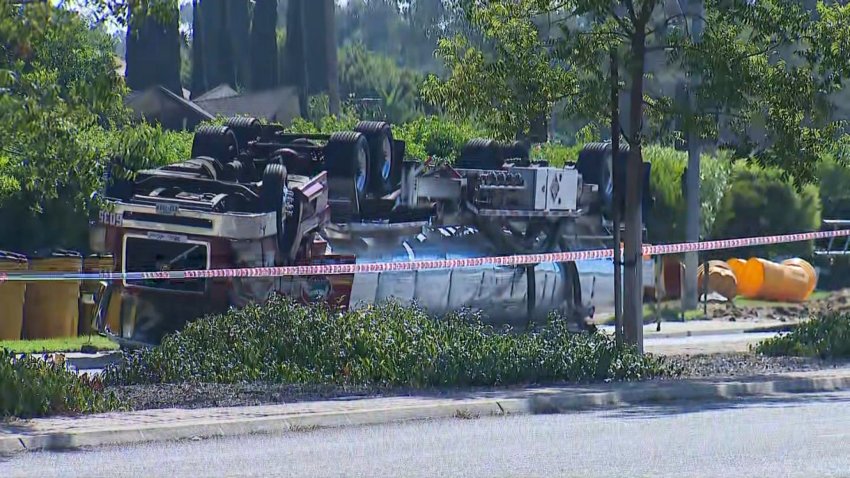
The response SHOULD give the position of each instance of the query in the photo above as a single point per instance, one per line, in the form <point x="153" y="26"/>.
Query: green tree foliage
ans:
<point x="666" y="221"/>
<point x="60" y="96"/>
<point x="434" y="137"/>
<point x="553" y="49"/>
<point x="405" y="30"/>
<point x="264" y="67"/>
<point x="367" y="76"/>
<point x="511" y="85"/>
<point x="762" y="202"/>
<point x="153" y="50"/>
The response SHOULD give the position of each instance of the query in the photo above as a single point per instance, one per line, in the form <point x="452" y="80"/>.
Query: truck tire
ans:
<point x="273" y="198"/>
<point x="245" y="128"/>
<point x="517" y="150"/>
<point x="347" y="163"/>
<point x="481" y="153"/>
<point x="385" y="168"/>
<point x="595" y="166"/>
<point x="218" y="142"/>
<point x="234" y="171"/>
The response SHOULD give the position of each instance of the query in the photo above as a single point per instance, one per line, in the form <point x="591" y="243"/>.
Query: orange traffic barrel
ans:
<point x="810" y="272"/>
<point x="89" y="289"/>
<point x="51" y="309"/>
<point x="12" y="297"/>
<point x="721" y="279"/>
<point x="763" y="279"/>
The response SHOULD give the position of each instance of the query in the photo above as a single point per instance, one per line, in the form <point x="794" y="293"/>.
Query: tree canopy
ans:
<point x="765" y="70"/>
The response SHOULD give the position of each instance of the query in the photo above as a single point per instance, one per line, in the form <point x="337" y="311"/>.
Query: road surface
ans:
<point x="805" y="435"/>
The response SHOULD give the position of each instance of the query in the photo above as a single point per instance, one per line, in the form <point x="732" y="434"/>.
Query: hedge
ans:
<point x="381" y="345"/>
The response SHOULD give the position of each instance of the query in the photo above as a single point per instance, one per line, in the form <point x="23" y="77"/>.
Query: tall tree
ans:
<point x="153" y="49"/>
<point x="199" y="72"/>
<point x="745" y="80"/>
<point x="239" y="30"/>
<point x="264" y="68"/>
<point x="294" y="68"/>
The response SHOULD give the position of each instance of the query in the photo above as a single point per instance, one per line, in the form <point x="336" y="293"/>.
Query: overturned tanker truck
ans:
<point x="254" y="195"/>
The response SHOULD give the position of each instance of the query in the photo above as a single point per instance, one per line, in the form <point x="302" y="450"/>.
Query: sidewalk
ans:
<point x="692" y="328"/>
<point x="176" y="424"/>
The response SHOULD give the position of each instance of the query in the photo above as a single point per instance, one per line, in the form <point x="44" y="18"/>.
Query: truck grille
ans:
<point x="142" y="254"/>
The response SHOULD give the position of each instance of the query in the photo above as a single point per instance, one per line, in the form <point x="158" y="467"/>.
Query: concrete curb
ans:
<point x="380" y="411"/>
<point x="92" y="361"/>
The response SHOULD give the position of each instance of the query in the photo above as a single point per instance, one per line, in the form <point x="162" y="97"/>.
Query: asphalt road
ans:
<point x="806" y="436"/>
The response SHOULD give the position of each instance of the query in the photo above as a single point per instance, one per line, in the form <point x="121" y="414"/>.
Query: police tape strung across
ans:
<point x="344" y="269"/>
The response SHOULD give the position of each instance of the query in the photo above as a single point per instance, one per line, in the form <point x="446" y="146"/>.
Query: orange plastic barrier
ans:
<point x="792" y="281"/>
<point x="721" y="279"/>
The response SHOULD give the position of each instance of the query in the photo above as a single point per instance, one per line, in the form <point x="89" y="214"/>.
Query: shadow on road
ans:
<point x="684" y="407"/>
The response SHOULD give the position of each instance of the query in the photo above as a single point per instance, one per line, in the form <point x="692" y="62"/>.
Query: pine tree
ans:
<point x="153" y="50"/>
<point x="264" y="68"/>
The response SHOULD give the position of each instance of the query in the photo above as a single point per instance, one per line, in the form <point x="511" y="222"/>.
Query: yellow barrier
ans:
<point x="12" y="297"/>
<point x="52" y="309"/>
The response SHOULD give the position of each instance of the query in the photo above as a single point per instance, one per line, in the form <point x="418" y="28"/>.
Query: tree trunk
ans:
<point x="633" y="238"/>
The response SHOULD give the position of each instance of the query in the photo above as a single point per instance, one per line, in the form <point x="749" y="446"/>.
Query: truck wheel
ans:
<point x="595" y="166"/>
<point x="217" y="142"/>
<point x="234" y="171"/>
<point x="517" y="150"/>
<point x="347" y="163"/>
<point x="273" y="198"/>
<point x="481" y="153"/>
<point x="245" y="128"/>
<point x="385" y="169"/>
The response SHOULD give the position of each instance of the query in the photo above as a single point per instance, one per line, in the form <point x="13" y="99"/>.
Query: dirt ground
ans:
<point x="744" y="309"/>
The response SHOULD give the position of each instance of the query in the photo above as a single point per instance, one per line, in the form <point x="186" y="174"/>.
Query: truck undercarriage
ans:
<point x="253" y="195"/>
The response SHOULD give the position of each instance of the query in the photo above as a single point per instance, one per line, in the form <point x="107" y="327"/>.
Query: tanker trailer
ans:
<point x="255" y="195"/>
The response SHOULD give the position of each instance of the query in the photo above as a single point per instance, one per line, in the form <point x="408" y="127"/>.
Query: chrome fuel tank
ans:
<point x="499" y="292"/>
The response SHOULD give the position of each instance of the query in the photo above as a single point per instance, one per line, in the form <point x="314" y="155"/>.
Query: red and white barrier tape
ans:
<point x="343" y="269"/>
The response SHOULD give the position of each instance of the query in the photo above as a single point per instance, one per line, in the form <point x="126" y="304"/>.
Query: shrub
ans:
<point x="825" y="337"/>
<point x="762" y="202"/>
<point x="386" y="345"/>
<point x="31" y="387"/>
<point x="434" y="136"/>
<point x="834" y="189"/>
<point x="46" y="221"/>
<point x="666" y="221"/>
<point x="556" y="154"/>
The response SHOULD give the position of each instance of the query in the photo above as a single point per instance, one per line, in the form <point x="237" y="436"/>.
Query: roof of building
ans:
<point x="278" y="105"/>
<point x="221" y="91"/>
<point x="145" y="101"/>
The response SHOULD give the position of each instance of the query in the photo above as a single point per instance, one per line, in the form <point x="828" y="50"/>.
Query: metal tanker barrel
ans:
<point x="499" y="292"/>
